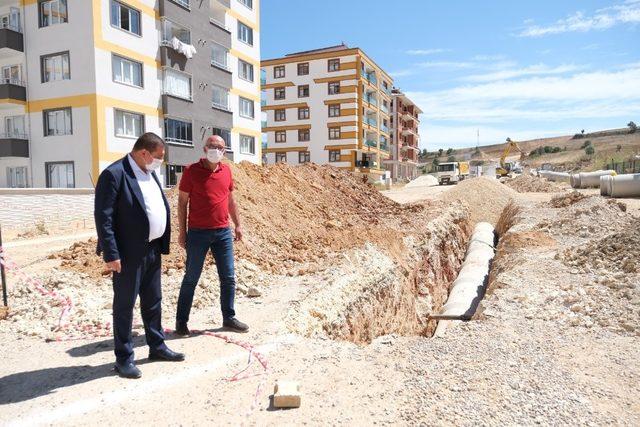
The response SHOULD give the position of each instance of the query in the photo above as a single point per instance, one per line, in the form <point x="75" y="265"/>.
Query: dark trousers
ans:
<point x="199" y="242"/>
<point x="138" y="278"/>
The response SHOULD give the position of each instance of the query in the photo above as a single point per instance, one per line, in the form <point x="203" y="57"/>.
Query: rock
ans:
<point x="286" y="394"/>
<point x="253" y="292"/>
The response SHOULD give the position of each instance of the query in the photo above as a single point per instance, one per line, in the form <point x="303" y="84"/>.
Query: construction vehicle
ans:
<point x="508" y="168"/>
<point x="452" y="172"/>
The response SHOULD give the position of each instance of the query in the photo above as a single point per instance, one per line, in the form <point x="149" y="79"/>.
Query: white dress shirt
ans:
<point x="153" y="201"/>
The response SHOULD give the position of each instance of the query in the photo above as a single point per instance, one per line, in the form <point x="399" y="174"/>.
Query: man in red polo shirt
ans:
<point x="206" y="188"/>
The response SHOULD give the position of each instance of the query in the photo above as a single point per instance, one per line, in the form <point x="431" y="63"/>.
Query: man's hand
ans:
<point x="238" y="233"/>
<point x="182" y="240"/>
<point x="114" y="266"/>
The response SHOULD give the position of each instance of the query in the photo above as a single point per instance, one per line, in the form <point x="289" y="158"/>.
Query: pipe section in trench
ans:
<point x="470" y="285"/>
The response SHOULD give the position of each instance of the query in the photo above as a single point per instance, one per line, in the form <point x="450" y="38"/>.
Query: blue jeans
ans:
<point x="199" y="241"/>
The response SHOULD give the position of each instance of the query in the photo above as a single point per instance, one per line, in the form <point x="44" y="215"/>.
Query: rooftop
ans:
<point x="321" y="50"/>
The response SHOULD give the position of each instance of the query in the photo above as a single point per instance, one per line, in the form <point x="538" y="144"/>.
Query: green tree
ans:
<point x="632" y="127"/>
<point x="449" y="151"/>
<point x="589" y="150"/>
<point x="440" y="150"/>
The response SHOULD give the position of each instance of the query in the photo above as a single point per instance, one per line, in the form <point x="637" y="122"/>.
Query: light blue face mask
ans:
<point x="214" y="155"/>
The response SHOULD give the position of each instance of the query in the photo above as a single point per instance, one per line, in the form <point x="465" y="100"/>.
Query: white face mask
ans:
<point x="154" y="165"/>
<point x="214" y="155"/>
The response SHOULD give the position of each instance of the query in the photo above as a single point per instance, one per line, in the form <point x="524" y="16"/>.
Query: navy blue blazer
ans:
<point x="121" y="219"/>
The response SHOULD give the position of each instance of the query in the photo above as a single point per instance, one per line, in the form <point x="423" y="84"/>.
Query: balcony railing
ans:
<point x="14" y="135"/>
<point x="384" y="108"/>
<point x="263" y="81"/>
<point x="371" y="121"/>
<point x="10" y="26"/>
<point x="371" y="78"/>
<point x="384" y="128"/>
<point x="384" y="144"/>
<point x="371" y="143"/>
<point x="386" y="90"/>
<point x="16" y="82"/>
<point x="363" y="163"/>
<point x="371" y="100"/>
<point x="218" y="23"/>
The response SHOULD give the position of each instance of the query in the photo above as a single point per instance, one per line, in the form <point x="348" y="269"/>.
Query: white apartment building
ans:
<point x="82" y="79"/>
<point x="327" y="106"/>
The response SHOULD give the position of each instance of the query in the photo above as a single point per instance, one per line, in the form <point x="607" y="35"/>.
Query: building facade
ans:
<point x="327" y="106"/>
<point x="82" y="79"/>
<point x="405" y="137"/>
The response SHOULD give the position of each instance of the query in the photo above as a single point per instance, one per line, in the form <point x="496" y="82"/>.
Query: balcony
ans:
<point x="386" y="90"/>
<point x="371" y="99"/>
<point x="384" y="109"/>
<point x="13" y="89"/>
<point x="384" y="144"/>
<point x="409" y="131"/>
<point x="11" y="40"/>
<point x="407" y="114"/>
<point x="371" y="143"/>
<point x="371" y="121"/>
<point x="384" y="128"/>
<point x="14" y="144"/>
<point x="364" y="163"/>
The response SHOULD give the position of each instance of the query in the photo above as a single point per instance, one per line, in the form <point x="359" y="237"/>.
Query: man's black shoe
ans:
<point x="167" y="355"/>
<point x="235" y="325"/>
<point x="127" y="370"/>
<point x="182" y="329"/>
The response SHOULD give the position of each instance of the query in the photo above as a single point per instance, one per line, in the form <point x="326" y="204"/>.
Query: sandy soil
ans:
<point x="516" y="365"/>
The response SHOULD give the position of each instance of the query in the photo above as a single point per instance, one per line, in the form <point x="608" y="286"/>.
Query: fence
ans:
<point x="629" y="166"/>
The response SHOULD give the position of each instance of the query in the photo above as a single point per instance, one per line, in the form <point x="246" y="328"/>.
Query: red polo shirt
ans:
<point x="208" y="194"/>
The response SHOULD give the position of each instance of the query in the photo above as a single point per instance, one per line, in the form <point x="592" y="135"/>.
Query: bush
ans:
<point x="440" y="151"/>
<point x="589" y="150"/>
<point x="586" y="144"/>
<point x="449" y="151"/>
<point x="618" y="148"/>
<point x="451" y="159"/>
<point x="632" y="127"/>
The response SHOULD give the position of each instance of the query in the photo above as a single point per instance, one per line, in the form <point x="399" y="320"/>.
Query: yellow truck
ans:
<point x="452" y="172"/>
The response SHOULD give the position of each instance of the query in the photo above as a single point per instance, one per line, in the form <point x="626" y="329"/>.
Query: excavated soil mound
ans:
<point x="590" y="216"/>
<point x="423" y="181"/>
<point x="530" y="184"/>
<point x="293" y="217"/>
<point x="485" y="197"/>
<point x="565" y="200"/>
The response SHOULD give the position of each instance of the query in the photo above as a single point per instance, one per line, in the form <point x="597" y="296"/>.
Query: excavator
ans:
<point x="507" y="167"/>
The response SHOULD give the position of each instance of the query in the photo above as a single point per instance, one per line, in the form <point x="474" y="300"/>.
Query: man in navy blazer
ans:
<point x="133" y="224"/>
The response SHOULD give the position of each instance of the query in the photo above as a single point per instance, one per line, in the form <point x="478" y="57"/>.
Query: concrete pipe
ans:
<point x="625" y="185"/>
<point x="592" y="179"/>
<point x="605" y="185"/>
<point x="468" y="288"/>
<point x="575" y="180"/>
<point x="558" y="176"/>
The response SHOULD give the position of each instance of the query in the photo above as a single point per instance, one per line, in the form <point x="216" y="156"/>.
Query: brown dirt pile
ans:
<point x="565" y="200"/>
<point x="485" y="197"/>
<point x="293" y="218"/>
<point x="530" y="184"/>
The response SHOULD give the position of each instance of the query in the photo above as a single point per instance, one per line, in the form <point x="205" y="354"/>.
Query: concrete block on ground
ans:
<point x="286" y="394"/>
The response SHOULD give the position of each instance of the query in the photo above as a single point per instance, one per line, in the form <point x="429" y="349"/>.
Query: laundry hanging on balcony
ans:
<point x="187" y="50"/>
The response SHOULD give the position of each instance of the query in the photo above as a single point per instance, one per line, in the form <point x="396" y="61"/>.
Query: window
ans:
<point x="12" y="74"/>
<point x="171" y="30"/>
<point x="224" y="134"/>
<point x="172" y="174"/>
<point x="279" y="92"/>
<point x="177" y="84"/>
<point x="304" y="157"/>
<point x="303" y="113"/>
<point x="52" y="12"/>
<point x="14" y="127"/>
<point x="247" y="144"/>
<point x="246" y="108"/>
<point x="281" y="136"/>
<point x="60" y="175"/>
<point x="245" y="33"/>
<point x="334" y="155"/>
<point x="125" y="17"/>
<point x="178" y="131"/>
<point x="126" y="71"/>
<point x="11" y="20"/>
<point x="219" y="56"/>
<point x="55" y="67"/>
<point x="57" y="122"/>
<point x="334" y="110"/>
<point x="281" y="157"/>
<point x="184" y="3"/>
<point x="280" y="115"/>
<point x="17" y="177"/>
<point x="304" y="135"/>
<point x="334" y="88"/>
<point x="220" y="97"/>
<point x="248" y="3"/>
<point x="334" y="133"/>
<point x="245" y="70"/>
<point x="333" y="65"/>
<point x="128" y="125"/>
<point x="303" y="91"/>
<point x="303" y="69"/>
<point x="278" y="72"/>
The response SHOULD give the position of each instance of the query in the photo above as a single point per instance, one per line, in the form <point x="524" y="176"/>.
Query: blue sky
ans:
<point x="519" y="69"/>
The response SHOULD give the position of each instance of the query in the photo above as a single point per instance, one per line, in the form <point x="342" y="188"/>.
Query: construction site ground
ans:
<point x="554" y="342"/>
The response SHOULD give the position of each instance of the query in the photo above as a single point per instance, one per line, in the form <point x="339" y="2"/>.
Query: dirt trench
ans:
<point x="374" y="293"/>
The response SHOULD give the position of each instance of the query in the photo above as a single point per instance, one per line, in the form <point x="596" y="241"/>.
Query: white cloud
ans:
<point x="489" y="57"/>
<point x="402" y="73"/>
<point x="510" y="73"/>
<point x="447" y="64"/>
<point x="426" y="51"/>
<point x="625" y="13"/>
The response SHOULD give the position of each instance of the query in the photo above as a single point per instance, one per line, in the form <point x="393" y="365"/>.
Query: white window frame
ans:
<point x="66" y="130"/>
<point x="246" y="66"/>
<point x="122" y="64"/>
<point x="247" y="101"/>
<point x="166" y="92"/>
<point x="247" y="3"/>
<point x="177" y="141"/>
<point x="245" y="30"/>
<point x="243" y="138"/>
<point x="10" y="127"/>
<point x="184" y="3"/>
<point x="215" y="63"/>
<point x="118" y="23"/>
<point x="51" y="3"/>
<point x="125" y="114"/>
<point x="54" y="56"/>
<point x="12" y="176"/>
<point x="70" y="173"/>
<point x="165" y="40"/>
<point x="10" y="79"/>
<point x="222" y="107"/>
